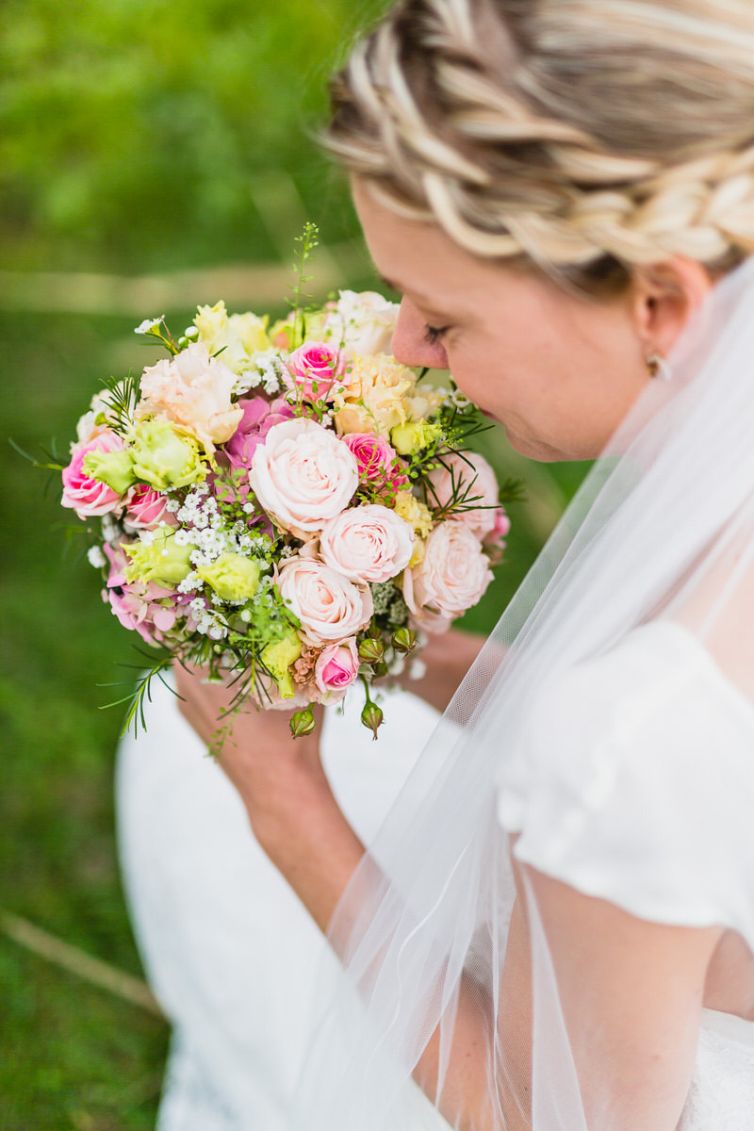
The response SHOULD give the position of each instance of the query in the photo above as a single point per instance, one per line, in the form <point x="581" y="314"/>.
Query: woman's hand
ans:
<point x="273" y="772"/>
<point x="448" y="656"/>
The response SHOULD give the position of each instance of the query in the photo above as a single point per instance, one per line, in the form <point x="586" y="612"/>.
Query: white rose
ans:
<point x="367" y="543"/>
<point x="303" y="475"/>
<point x="452" y="576"/>
<point x="363" y="322"/>
<point x="475" y="481"/>
<point x="330" y="607"/>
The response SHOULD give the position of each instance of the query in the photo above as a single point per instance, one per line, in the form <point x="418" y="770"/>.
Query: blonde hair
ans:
<point x="584" y="136"/>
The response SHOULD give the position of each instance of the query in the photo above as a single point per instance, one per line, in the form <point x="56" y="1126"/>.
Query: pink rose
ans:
<point x="259" y="415"/>
<point x="337" y="667"/>
<point x="303" y="475"/>
<point x="194" y="391"/>
<point x="452" y="576"/>
<point x="317" y="370"/>
<point x="86" y="496"/>
<point x="138" y="606"/>
<point x="145" y="507"/>
<point x="367" y="543"/>
<point x="330" y="607"/>
<point x="475" y="481"/>
<point x="500" y="527"/>
<point x="377" y="459"/>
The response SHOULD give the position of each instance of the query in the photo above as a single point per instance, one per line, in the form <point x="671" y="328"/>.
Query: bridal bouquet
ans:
<point x="286" y="505"/>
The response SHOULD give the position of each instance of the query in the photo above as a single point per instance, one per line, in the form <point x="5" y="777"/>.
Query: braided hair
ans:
<point x="584" y="136"/>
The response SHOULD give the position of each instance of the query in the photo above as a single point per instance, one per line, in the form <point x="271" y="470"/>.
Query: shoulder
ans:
<point x="639" y="772"/>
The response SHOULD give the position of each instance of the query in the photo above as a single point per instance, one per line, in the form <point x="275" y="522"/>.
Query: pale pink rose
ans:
<point x="452" y="576"/>
<point x="337" y="667"/>
<point x="259" y="415"/>
<point x="330" y="607"/>
<point x="194" y="391"/>
<point x="317" y="370"/>
<point x="303" y="475"/>
<point x="474" y="479"/>
<point x="367" y="543"/>
<point x="145" y="508"/>
<point x="378" y="461"/>
<point x="89" y="497"/>
<point x="139" y="606"/>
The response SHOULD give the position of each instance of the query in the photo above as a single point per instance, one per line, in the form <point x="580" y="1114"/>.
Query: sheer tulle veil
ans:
<point x="661" y="528"/>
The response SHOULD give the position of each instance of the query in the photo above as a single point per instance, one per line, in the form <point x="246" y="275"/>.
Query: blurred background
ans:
<point x="153" y="155"/>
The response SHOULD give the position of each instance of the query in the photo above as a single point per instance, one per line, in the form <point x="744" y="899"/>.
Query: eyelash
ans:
<point x="433" y="334"/>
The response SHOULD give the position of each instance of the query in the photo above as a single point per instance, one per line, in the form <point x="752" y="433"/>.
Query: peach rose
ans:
<point x="330" y="607"/>
<point x="452" y="576"/>
<point x="194" y="391"/>
<point x="474" y="479"/>
<point x="303" y="475"/>
<point x="367" y="543"/>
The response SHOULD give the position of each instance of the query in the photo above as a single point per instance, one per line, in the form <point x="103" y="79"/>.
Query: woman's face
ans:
<point x="558" y="372"/>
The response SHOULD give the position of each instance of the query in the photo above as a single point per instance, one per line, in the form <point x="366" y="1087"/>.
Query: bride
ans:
<point x="535" y="910"/>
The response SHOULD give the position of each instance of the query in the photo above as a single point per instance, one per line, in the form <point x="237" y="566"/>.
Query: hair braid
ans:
<point x="532" y="130"/>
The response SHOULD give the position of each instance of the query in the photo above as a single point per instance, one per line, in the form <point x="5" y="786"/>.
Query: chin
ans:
<point x="534" y="449"/>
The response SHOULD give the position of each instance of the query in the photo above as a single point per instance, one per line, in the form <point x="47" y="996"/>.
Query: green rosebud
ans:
<point x="232" y="576"/>
<point x="277" y="658"/>
<point x="380" y="669"/>
<point x="413" y="436"/>
<point x="371" y="717"/>
<point x="161" y="559"/>
<point x="113" y="468"/>
<point x="371" y="650"/>
<point x="164" y="457"/>
<point x="302" y="722"/>
<point x="404" y="640"/>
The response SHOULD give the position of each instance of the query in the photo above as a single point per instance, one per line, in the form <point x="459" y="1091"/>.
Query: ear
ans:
<point x="665" y="295"/>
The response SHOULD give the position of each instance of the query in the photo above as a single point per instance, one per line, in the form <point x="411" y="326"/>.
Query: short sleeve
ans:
<point x="640" y="782"/>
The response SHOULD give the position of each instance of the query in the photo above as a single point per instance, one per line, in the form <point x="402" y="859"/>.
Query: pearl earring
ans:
<point x="659" y="367"/>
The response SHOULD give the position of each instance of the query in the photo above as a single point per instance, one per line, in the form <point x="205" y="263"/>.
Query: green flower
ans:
<point x="113" y="468"/>
<point x="163" y="457"/>
<point x="161" y="559"/>
<point x="411" y="437"/>
<point x="278" y="656"/>
<point x="232" y="576"/>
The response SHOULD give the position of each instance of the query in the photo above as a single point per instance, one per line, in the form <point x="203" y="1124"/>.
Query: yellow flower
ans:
<point x="417" y="556"/>
<point x="414" y="512"/>
<point x="411" y="437"/>
<point x="232" y="576"/>
<point x="160" y="559"/>
<point x="239" y="336"/>
<point x="278" y="656"/>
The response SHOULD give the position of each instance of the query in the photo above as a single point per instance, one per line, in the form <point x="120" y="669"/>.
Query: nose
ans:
<point x="410" y="345"/>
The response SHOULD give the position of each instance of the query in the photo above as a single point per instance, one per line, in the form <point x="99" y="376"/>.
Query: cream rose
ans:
<point x="330" y="607"/>
<point x="367" y="543"/>
<point x="363" y="322"/>
<point x="375" y="399"/>
<point x="303" y="475"/>
<point x="193" y="390"/>
<point x="475" y="481"/>
<point x="452" y="576"/>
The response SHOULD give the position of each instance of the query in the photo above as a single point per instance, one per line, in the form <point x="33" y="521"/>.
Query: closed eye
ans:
<point x="433" y="334"/>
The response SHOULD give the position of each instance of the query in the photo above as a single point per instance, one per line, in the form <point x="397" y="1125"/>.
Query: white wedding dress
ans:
<point x="231" y="953"/>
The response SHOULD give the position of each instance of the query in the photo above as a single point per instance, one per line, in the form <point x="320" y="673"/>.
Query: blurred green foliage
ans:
<point x="130" y="130"/>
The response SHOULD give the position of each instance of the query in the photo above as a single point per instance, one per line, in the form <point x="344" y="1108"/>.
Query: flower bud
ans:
<point x="381" y="669"/>
<point x="302" y="722"/>
<point x="404" y="640"/>
<point x="371" y="650"/>
<point x="371" y="717"/>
